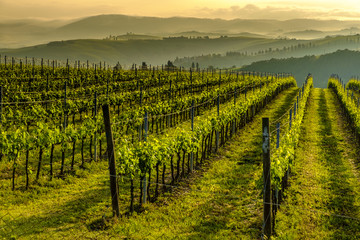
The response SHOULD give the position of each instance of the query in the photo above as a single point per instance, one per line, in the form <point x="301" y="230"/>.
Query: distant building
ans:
<point x="117" y="66"/>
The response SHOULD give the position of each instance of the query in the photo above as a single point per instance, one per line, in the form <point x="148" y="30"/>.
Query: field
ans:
<point x="188" y="154"/>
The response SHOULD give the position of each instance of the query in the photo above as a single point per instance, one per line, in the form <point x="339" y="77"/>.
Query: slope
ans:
<point x="155" y="52"/>
<point x="323" y="200"/>
<point x="220" y="201"/>
<point x="342" y="62"/>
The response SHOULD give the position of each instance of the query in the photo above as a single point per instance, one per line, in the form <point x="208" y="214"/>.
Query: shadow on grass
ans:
<point x="225" y="214"/>
<point x="343" y="194"/>
<point x="65" y="215"/>
<point x="281" y="110"/>
<point x="286" y="104"/>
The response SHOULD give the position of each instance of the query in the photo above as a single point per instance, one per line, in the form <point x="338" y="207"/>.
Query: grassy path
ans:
<point x="217" y="202"/>
<point x="323" y="200"/>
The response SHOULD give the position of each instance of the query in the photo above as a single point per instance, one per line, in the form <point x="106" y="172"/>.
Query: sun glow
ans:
<point x="227" y="9"/>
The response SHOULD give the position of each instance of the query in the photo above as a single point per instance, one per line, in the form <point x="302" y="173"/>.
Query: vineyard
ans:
<point x="89" y="151"/>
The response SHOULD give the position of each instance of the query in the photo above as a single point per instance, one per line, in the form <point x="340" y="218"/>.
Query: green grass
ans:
<point x="324" y="182"/>
<point x="220" y="201"/>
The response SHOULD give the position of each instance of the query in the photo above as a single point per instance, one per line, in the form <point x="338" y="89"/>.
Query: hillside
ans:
<point x="22" y="33"/>
<point x="155" y="52"/>
<point x="275" y="50"/>
<point x="97" y="26"/>
<point x="343" y="62"/>
<point x="219" y="52"/>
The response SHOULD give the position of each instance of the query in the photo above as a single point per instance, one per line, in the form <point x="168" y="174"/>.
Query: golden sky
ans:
<point x="227" y="9"/>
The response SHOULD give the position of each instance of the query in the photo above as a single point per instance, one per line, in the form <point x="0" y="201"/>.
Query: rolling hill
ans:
<point x="20" y="33"/>
<point x="155" y="52"/>
<point x="345" y="63"/>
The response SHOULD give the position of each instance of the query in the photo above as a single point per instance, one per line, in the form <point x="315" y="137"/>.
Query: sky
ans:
<point x="226" y="9"/>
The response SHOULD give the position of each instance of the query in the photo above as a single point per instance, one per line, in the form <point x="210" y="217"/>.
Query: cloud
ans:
<point x="66" y="9"/>
<point x="251" y="11"/>
<point x="51" y="10"/>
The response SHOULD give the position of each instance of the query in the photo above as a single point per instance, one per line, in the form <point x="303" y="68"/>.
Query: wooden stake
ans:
<point x="111" y="155"/>
<point x="267" y="182"/>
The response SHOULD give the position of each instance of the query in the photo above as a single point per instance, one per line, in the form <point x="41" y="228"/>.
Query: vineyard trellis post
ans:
<point x="111" y="156"/>
<point x="145" y="139"/>
<point x="277" y="135"/>
<point x="267" y="228"/>
<point x="107" y="88"/>
<point x="140" y="126"/>
<point x="218" y="113"/>
<point x="192" y="129"/>
<point x="1" y="101"/>
<point x="64" y="128"/>
<point x="95" y="136"/>
<point x="297" y="102"/>
<point x="234" y="122"/>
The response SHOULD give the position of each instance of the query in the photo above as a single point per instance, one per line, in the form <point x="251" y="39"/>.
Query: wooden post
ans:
<point x="107" y="88"/>
<point x="65" y="110"/>
<point x="64" y="128"/>
<point x="218" y="112"/>
<point x="191" y="84"/>
<point x="140" y="126"/>
<point x="297" y="103"/>
<point x="42" y="66"/>
<point x="277" y="135"/>
<point x="145" y="139"/>
<point x="95" y="113"/>
<point x="267" y="182"/>
<point x="217" y="132"/>
<point x="111" y="155"/>
<point x="234" y="123"/>
<point x="1" y="101"/>
<point x="192" y="129"/>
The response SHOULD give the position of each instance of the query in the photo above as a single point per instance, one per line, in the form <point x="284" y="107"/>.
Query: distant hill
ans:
<point x="275" y="49"/>
<point x="222" y="52"/>
<point x="315" y="34"/>
<point x="28" y="33"/>
<point x="345" y="63"/>
<point x="155" y="52"/>
<point x="307" y="34"/>
<point x="96" y="26"/>
<point x="132" y="36"/>
<point x="216" y="35"/>
<point x="19" y="33"/>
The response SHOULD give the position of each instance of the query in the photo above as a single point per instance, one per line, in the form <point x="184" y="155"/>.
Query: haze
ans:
<point x="226" y="9"/>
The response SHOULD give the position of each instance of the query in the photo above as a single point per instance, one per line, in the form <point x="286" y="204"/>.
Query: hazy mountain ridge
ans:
<point x="209" y="42"/>
<point x="155" y="52"/>
<point x="275" y="49"/>
<point x="31" y="32"/>
<point x="345" y="63"/>
<point x="222" y="52"/>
